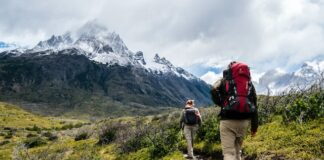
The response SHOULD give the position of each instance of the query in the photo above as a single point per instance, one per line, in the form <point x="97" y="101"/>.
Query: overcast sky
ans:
<point x="195" y="34"/>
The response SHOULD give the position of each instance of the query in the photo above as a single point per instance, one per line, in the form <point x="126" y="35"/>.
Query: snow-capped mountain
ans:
<point x="100" y="45"/>
<point x="94" y="66"/>
<point x="277" y="81"/>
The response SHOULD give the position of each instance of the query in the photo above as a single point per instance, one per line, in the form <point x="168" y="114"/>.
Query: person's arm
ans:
<point x="181" y="120"/>
<point x="199" y="117"/>
<point x="254" y="118"/>
<point x="216" y="92"/>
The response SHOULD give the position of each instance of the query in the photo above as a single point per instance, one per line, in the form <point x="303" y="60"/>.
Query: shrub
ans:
<point x="209" y="130"/>
<point x="9" y="135"/>
<point x="50" y="136"/>
<point x="34" y="142"/>
<point x="67" y="126"/>
<point x="107" y="135"/>
<point x="78" y="125"/>
<point x="164" y="139"/>
<point x="134" y="144"/>
<point x="29" y="135"/>
<point x="10" y="129"/>
<point x="303" y="109"/>
<point x="81" y="136"/>
<point x="267" y="108"/>
<point x="47" y="134"/>
<point x="34" y="128"/>
<point x="136" y="139"/>
<point x="4" y="142"/>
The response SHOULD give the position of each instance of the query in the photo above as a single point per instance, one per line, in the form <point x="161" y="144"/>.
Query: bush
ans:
<point x="78" y="125"/>
<point x="157" y="138"/>
<point x="267" y="108"/>
<point x="29" y="135"/>
<point x="10" y="129"/>
<point x="209" y="130"/>
<point x="34" y="142"/>
<point x="305" y="108"/>
<point x="50" y="136"/>
<point x="67" y="126"/>
<point x="71" y="126"/>
<point x="136" y="139"/>
<point x="164" y="139"/>
<point x="9" y="135"/>
<point x="34" y="128"/>
<point x="4" y="142"/>
<point x="81" y="136"/>
<point x="107" y="135"/>
<point x="134" y="144"/>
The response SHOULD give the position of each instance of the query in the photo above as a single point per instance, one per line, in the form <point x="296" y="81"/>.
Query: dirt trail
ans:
<point x="197" y="157"/>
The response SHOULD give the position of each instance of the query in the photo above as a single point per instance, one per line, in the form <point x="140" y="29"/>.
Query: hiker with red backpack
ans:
<point x="189" y="121"/>
<point x="236" y="96"/>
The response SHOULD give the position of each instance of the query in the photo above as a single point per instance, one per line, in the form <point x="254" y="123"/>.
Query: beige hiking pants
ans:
<point x="189" y="132"/>
<point x="232" y="133"/>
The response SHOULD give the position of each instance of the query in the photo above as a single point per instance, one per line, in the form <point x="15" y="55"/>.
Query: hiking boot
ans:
<point x="191" y="157"/>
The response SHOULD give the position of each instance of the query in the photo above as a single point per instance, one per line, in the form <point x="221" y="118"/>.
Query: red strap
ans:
<point x="227" y="86"/>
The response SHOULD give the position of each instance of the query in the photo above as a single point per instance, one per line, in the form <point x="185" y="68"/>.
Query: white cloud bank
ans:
<point x="266" y="34"/>
<point x="211" y="77"/>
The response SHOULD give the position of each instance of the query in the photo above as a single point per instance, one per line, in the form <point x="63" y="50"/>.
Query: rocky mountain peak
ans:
<point x="140" y="57"/>
<point x="97" y="43"/>
<point x="277" y="80"/>
<point x="55" y="42"/>
<point x="162" y="60"/>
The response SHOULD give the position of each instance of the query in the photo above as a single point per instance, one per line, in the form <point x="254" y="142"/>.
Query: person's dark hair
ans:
<point x="230" y="64"/>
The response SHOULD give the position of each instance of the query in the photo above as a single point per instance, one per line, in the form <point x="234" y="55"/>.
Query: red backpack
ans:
<point x="238" y="87"/>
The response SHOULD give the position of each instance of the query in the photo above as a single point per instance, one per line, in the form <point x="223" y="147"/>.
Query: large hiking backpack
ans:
<point x="190" y="116"/>
<point x="238" y="87"/>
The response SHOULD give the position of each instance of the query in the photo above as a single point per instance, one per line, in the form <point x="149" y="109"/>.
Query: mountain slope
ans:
<point x="94" y="71"/>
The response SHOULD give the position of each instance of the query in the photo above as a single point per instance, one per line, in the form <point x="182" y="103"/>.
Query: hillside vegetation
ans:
<point x="14" y="117"/>
<point x="67" y="82"/>
<point x="291" y="127"/>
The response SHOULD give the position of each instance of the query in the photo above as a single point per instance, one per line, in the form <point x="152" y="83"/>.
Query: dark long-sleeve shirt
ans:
<point x="238" y="116"/>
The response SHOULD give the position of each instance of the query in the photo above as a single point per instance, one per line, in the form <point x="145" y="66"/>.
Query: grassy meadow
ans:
<point x="291" y="127"/>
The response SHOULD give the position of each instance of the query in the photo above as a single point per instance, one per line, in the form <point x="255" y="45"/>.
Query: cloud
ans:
<point x="207" y="34"/>
<point x="211" y="77"/>
<point x="28" y="22"/>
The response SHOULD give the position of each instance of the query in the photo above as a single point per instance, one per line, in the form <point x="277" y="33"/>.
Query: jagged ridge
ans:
<point x="68" y="72"/>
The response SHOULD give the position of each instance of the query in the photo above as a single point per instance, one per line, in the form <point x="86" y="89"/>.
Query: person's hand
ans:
<point x="253" y="133"/>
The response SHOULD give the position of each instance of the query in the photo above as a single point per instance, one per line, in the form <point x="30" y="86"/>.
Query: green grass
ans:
<point x="177" y="155"/>
<point x="144" y="154"/>
<point x="275" y="139"/>
<point x="13" y="116"/>
<point x="15" y="120"/>
<point x="293" y="141"/>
